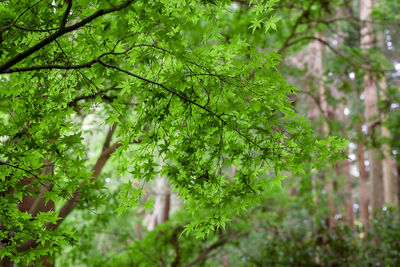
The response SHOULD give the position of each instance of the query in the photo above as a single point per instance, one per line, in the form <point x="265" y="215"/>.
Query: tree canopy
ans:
<point x="186" y="90"/>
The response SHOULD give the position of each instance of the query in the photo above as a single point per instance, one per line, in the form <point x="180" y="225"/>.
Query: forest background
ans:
<point x="200" y="133"/>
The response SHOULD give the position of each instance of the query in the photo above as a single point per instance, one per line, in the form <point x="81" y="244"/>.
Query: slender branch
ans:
<point x="26" y="10"/>
<point x="88" y="64"/>
<point x="74" y="200"/>
<point x="66" y="13"/>
<point x="175" y="93"/>
<point x="181" y="96"/>
<point x="51" y="67"/>
<point x="98" y="60"/>
<point x="59" y="33"/>
<point x="33" y="30"/>
<point x="318" y="103"/>
<point x="27" y="171"/>
<point x="107" y="98"/>
<point x="97" y="168"/>
<point x="175" y="244"/>
<point x="204" y="254"/>
<point x="294" y="28"/>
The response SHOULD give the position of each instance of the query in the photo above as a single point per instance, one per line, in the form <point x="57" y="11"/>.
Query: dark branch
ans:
<point x="175" y="93"/>
<point x="66" y="13"/>
<point x="181" y="96"/>
<point x="204" y="254"/>
<point x="74" y="102"/>
<point x="32" y="30"/>
<point x="51" y="67"/>
<point x="109" y="137"/>
<point x="26" y="10"/>
<point x="59" y="33"/>
<point x="64" y="67"/>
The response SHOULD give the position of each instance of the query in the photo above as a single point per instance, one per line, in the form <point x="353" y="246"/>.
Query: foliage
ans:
<point x="97" y="98"/>
<point x="280" y="230"/>
<point x="163" y="74"/>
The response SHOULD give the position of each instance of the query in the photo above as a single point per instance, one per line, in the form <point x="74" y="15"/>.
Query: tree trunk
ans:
<point x="371" y="108"/>
<point x="343" y="167"/>
<point x="345" y="170"/>
<point x="74" y="200"/>
<point x="161" y="205"/>
<point x="363" y="180"/>
<point x="317" y="52"/>
<point x="398" y="184"/>
<point x="387" y="163"/>
<point x="6" y="262"/>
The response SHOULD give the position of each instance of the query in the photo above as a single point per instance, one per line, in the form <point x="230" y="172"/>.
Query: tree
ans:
<point x="371" y="108"/>
<point x="195" y="100"/>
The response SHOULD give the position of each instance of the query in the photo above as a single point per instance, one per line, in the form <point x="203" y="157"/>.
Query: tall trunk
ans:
<point x="348" y="190"/>
<point x="314" y="117"/>
<point x="387" y="163"/>
<point x="161" y="205"/>
<point x="371" y="108"/>
<point x="363" y="180"/>
<point x="343" y="169"/>
<point x="316" y="61"/>
<point x="398" y="184"/>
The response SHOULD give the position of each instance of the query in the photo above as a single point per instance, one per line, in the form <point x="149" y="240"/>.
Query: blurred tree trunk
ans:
<point x="317" y="69"/>
<point x="364" y="199"/>
<point x="398" y="184"/>
<point x="348" y="190"/>
<point x="161" y="204"/>
<point x="6" y="262"/>
<point x="343" y="167"/>
<point x="371" y="107"/>
<point x="388" y="161"/>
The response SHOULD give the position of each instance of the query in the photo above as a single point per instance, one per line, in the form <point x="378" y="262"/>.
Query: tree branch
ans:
<point x="88" y="64"/>
<point x="59" y="33"/>
<point x="51" y="67"/>
<point x="175" y="244"/>
<point x="108" y="137"/>
<point x="181" y="96"/>
<point x="74" y="200"/>
<point x="66" y="13"/>
<point x="204" y="254"/>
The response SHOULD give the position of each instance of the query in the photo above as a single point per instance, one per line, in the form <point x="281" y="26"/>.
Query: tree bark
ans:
<point x="343" y="169"/>
<point x="371" y="108"/>
<point x="398" y="184"/>
<point x="387" y="163"/>
<point x="364" y="200"/>
<point x="161" y="205"/>
<point x="316" y="61"/>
